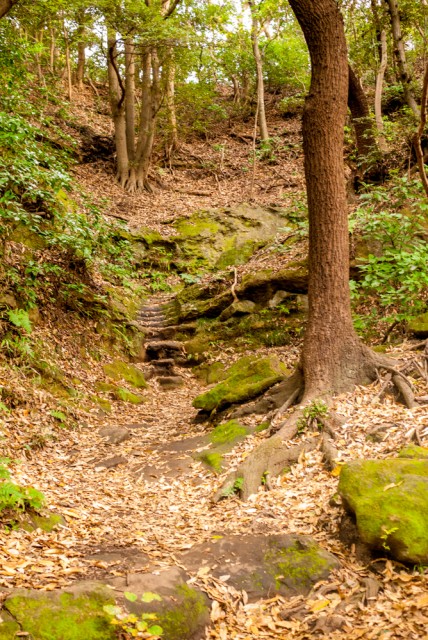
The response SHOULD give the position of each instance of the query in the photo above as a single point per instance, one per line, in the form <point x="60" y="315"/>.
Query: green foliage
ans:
<point x="136" y="626"/>
<point x="312" y="416"/>
<point x="392" y="219"/>
<point x="20" y="319"/>
<point x="14" y="498"/>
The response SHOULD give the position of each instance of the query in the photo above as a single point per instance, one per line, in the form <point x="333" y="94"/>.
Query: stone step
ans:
<point x="165" y="349"/>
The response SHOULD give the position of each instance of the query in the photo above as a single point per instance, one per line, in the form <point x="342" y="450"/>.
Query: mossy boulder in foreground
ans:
<point x="75" y="613"/>
<point x="419" y="326"/>
<point x="264" y="566"/>
<point x="246" y="379"/>
<point x="390" y="501"/>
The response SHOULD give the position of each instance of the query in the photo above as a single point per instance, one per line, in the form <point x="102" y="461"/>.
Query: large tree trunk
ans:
<point x="400" y="56"/>
<point x="264" y="134"/>
<point x="333" y="358"/>
<point x="367" y="148"/>
<point x="117" y="104"/>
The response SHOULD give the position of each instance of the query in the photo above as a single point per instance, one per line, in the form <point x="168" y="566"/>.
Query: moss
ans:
<point x="197" y="226"/>
<point x="104" y="404"/>
<point x="119" y="370"/>
<point x="245" y="380"/>
<point x="419" y="325"/>
<point x="45" y="523"/>
<point x="212" y="459"/>
<point x="128" y="396"/>
<point x="298" y="566"/>
<point x="263" y="426"/>
<point x="228" y="433"/>
<point x="414" y="452"/>
<point x="390" y="501"/>
<point x="183" y="621"/>
<point x="105" y="387"/>
<point x="30" y="239"/>
<point x="236" y="254"/>
<point x="8" y="627"/>
<point x="210" y="373"/>
<point x="62" y="616"/>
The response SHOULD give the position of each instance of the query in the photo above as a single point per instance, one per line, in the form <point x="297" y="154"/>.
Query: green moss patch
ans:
<point x="245" y="380"/>
<point x="213" y="460"/>
<point x="414" y="452"/>
<point x="228" y="433"/>
<point x="390" y="501"/>
<point x="34" y="521"/>
<point x="183" y="620"/>
<point x="127" y="396"/>
<point x="75" y="614"/>
<point x="119" y="370"/>
<point x="419" y="326"/>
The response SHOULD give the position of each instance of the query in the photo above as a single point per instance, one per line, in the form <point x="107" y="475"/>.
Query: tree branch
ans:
<point x="6" y="6"/>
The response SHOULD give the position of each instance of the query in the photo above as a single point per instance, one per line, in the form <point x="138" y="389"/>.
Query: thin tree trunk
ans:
<point x="333" y="358"/>
<point x="68" y="64"/>
<point x="264" y="134"/>
<point x="418" y="135"/>
<point x="52" y="52"/>
<point x="130" y="97"/>
<point x="81" y="63"/>
<point x="117" y="104"/>
<point x="170" y="103"/>
<point x="236" y="90"/>
<point x="400" y="55"/>
<point x="378" y="92"/>
<point x="357" y="102"/>
<point x="138" y="179"/>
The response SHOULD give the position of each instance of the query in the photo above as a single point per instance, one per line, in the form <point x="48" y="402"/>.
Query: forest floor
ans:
<point x="122" y="508"/>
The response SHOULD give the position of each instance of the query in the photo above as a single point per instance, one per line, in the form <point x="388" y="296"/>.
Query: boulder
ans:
<point x="389" y="499"/>
<point x="115" y="435"/>
<point x="263" y="566"/>
<point x="238" y="308"/>
<point x="74" y="613"/>
<point x="419" y="326"/>
<point x="181" y="610"/>
<point x="245" y="380"/>
<point x="119" y="370"/>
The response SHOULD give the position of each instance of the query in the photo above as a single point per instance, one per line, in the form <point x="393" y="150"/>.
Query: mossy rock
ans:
<point x="228" y="433"/>
<point x="103" y="403"/>
<point x="8" y="626"/>
<point x="181" y="609"/>
<point x="218" y="239"/>
<point x="389" y="499"/>
<point x="419" y="326"/>
<point x="263" y="566"/>
<point x="119" y="370"/>
<point x="212" y="459"/>
<point x="75" y="613"/>
<point x="245" y="380"/>
<point x="127" y="396"/>
<point x="33" y="521"/>
<point x="29" y="238"/>
<point x="414" y="452"/>
<point x="119" y="393"/>
<point x="261" y="286"/>
<point x="210" y="373"/>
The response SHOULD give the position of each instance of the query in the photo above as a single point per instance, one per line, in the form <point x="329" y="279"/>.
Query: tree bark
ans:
<point x="400" y="55"/>
<point x="367" y="147"/>
<point x="418" y="135"/>
<point x="264" y="134"/>
<point x="333" y="358"/>
<point x="68" y="64"/>
<point x="378" y="92"/>
<point x="130" y="97"/>
<point x="6" y="6"/>
<point x="173" y="143"/>
<point x="117" y="104"/>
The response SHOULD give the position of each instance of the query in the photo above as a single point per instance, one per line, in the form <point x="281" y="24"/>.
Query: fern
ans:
<point x="20" y="319"/>
<point x="16" y="498"/>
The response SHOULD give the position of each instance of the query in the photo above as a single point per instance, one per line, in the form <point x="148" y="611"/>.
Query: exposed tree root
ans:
<point x="273" y="455"/>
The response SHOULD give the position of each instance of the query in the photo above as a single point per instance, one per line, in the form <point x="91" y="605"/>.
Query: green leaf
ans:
<point x="148" y="596"/>
<point x="155" y="630"/>
<point x="132" y="597"/>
